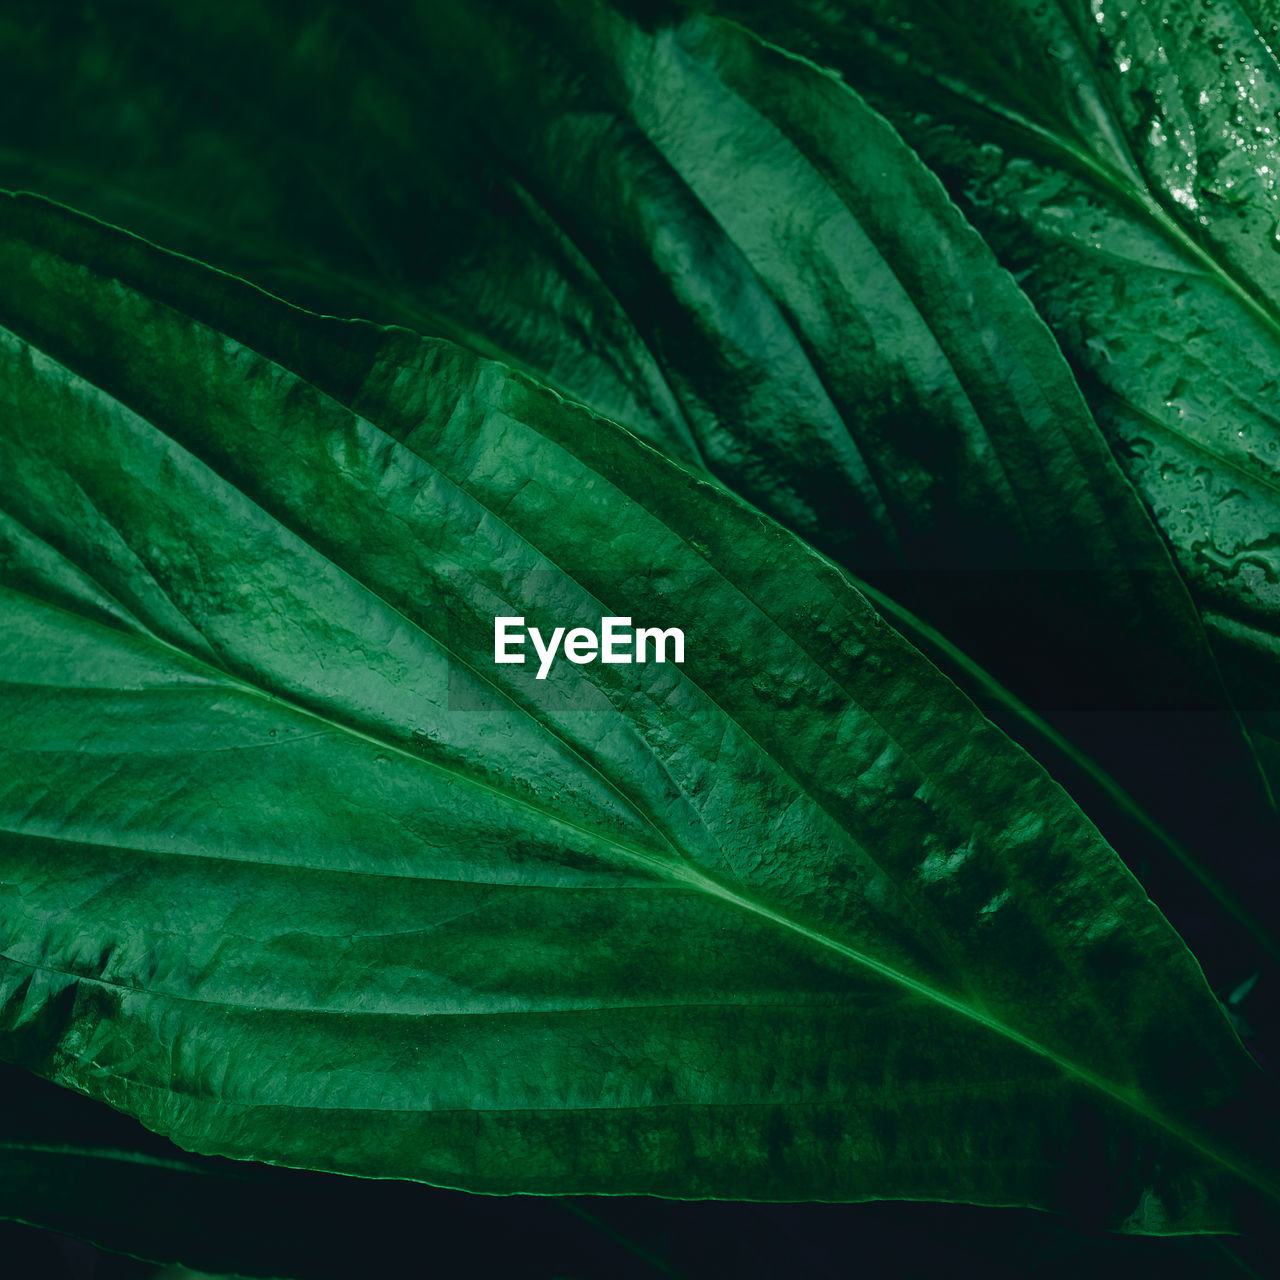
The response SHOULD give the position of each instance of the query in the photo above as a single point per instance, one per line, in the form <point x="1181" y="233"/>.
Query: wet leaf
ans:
<point x="1122" y="160"/>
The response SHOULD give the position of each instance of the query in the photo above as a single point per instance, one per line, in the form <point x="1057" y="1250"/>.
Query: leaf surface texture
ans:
<point x="293" y="871"/>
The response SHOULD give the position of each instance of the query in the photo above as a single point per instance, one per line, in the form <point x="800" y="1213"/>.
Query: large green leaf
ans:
<point x="1123" y="160"/>
<point x="720" y="247"/>
<point x="293" y="871"/>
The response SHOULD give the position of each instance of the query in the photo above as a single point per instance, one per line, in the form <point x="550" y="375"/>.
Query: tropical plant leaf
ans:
<point x="293" y="871"/>
<point x="1123" y="162"/>
<point x="730" y="253"/>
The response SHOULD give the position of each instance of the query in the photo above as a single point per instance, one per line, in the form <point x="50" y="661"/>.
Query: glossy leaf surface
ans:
<point x="293" y="871"/>
<point x="721" y="248"/>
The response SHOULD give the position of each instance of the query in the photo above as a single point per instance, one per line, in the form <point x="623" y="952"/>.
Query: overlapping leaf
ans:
<point x="1123" y="161"/>
<point x="293" y="871"/>
<point x="78" y="1168"/>
<point x="712" y="243"/>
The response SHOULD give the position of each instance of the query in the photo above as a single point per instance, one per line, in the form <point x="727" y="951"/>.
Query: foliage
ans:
<point x="904" y="365"/>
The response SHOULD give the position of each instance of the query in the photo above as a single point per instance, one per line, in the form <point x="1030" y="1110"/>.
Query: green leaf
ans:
<point x="293" y="871"/>
<point x="1133" y="191"/>
<point x="74" y="1166"/>
<point x="80" y="1169"/>
<point x="725" y="250"/>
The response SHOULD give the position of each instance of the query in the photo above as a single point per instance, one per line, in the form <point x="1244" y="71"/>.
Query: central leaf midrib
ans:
<point x="427" y="1010"/>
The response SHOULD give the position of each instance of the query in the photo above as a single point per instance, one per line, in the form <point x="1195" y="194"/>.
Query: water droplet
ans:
<point x="1254" y="555"/>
